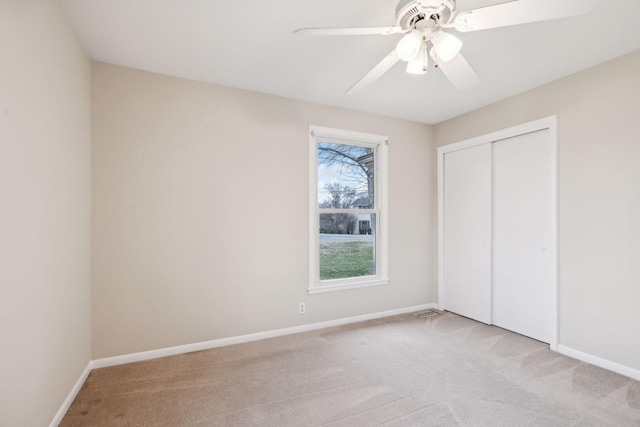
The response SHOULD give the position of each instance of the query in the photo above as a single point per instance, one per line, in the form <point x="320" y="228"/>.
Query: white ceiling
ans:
<point x="249" y="45"/>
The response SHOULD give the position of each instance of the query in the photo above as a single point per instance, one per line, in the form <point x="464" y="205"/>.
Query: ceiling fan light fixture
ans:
<point x="420" y="63"/>
<point x="409" y="46"/>
<point x="463" y="22"/>
<point x="422" y="24"/>
<point x="446" y="45"/>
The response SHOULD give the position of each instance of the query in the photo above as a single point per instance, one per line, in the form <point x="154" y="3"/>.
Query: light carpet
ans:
<point x="397" y="371"/>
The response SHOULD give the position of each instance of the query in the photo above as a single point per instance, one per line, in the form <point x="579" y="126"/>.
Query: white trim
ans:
<point x="359" y="211"/>
<point x="172" y="351"/>
<point x="550" y="123"/>
<point x="380" y="144"/>
<point x="440" y="171"/>
<point x="72" y="395"/>
<point x="553" y="134"/>
<point x="382" y="193"/>
<point x="346" y="135"/>
<point x="314" y="220"/>
<point x="345" y="286"/>
<point x="598" y="361"/>
<point x="206" y="345"/>
<point x="493" y="236"/>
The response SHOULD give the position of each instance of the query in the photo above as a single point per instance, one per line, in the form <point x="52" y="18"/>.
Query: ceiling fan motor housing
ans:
<point x="410" y="12"/>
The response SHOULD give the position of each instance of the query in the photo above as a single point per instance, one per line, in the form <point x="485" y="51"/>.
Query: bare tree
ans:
<point x="341" y="197"/>
<point x="352" y="163"/>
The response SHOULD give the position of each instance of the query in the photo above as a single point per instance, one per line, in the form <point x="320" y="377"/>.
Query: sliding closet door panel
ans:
<point x="467" y="232"/>
<point x="523" y="284"/>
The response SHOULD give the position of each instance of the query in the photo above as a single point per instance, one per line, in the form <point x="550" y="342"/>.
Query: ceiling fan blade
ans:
<point x="521" y="12"/>
<point x="378" y="71"/>
<point x="381" y="31"/>
<point x="460" y="73"/>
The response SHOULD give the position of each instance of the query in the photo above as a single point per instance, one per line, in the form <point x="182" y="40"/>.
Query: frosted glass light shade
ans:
<point x="409" y="46"/>
<point x="446" y="45"/>
<point x="420" y="63"/>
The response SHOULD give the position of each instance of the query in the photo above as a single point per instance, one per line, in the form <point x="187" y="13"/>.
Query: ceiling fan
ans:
<point x="423" y="23"/>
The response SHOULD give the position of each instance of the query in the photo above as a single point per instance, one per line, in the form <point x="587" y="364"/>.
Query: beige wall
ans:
<point x="200" y="202"/>
<point x="45" y="155"/>
<point x="599" y="199"/>
<point x="200" y="209"/>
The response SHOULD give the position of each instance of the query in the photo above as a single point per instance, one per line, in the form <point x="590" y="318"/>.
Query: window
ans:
<point x="348" y="211"/>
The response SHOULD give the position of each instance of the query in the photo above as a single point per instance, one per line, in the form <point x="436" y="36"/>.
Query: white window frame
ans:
<point x="381" y="184"/>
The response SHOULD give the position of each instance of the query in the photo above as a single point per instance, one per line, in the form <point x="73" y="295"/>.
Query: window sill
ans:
<point x="347" y="286"/>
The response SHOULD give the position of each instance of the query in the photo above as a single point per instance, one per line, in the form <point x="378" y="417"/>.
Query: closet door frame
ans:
<point x="550" y="123"/>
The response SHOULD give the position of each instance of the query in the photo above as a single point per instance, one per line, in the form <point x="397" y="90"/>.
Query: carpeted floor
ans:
<point x="398" y="371"/>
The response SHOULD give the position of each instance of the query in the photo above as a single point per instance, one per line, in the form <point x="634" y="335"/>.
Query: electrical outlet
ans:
<point x="302" y="308"/>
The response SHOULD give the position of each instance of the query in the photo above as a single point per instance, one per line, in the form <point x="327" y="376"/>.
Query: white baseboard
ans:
<point x="172" y="351"/>
<point x="72" y="395"/>
<point x="598" y="361"/>
<point x="206" y="345"/>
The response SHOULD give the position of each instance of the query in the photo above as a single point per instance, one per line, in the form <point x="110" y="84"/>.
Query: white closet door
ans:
<point x="523" y="282"/>
<point x="467" y="232"/>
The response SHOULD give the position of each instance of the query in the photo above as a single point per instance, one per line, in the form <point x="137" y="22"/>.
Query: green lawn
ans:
<point x="340" y="260"/>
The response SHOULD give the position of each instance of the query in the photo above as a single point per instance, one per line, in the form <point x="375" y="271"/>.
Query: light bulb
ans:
<point x="420" y="63"/>
<point x="409" y="46"/>
<point x="446" y="45"/>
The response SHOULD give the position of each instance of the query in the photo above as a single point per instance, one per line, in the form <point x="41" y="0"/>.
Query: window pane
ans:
<point x="347" y="245"/>
<point x="345" y="176"/>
